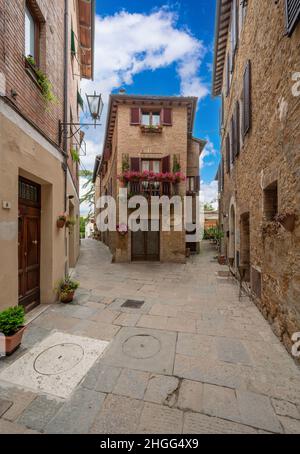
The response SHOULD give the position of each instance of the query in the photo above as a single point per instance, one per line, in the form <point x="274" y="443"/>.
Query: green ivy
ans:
<point x="176" y="165"/>
<point x="75" y="155"/>
<point x="11" y="320"/>
<point x="43" y="81"/>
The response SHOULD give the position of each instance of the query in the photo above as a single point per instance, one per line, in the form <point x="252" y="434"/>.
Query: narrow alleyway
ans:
<point x="191" y="359"/>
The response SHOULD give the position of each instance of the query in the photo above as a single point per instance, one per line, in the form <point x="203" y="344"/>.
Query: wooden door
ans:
<point x="29" y="244"/>
<point x="145" y="246"/>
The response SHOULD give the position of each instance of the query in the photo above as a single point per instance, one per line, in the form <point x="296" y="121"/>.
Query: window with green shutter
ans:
<point x="73" y="44"/>
<point x="79" y="100"/>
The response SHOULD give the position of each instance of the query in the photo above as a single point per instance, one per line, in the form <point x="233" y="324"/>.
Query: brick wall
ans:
<point x="29" y="98"/>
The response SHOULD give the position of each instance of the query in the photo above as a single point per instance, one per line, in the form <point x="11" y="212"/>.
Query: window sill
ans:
<point x="32" y="73"/>
<point x="151" y="129"/>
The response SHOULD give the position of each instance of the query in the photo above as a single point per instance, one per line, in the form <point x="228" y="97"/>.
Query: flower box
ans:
<point x="151" y="129"/>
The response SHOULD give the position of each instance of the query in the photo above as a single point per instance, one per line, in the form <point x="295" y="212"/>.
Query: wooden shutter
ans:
<point x="197" y="183"/>
<point x="135" y="164"/>
<point x="167" y="116"/>
<point x="166" y="164"/>
<point x="222" y="173"/>
<point x="237" y="128"/>
<point x="233" y="139"/>
<point x="247" y="99"/>
<point x="135" y="116"/>
<point x="222" y="111"/>
<point x="228" y="74"/>
<point x="227" y="150"/>
<point x="292" y="8"/>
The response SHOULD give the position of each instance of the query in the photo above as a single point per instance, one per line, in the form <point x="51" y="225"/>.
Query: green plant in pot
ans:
<point x="12" y="328"/>
<point x="66" y="289"/>
<point x="70" y="222"/>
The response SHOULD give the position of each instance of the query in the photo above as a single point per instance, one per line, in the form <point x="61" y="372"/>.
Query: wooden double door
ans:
<point x="145" y="246"/>
<point x="29" y="243"/>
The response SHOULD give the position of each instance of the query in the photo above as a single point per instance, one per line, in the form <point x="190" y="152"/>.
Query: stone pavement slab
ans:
<point x="132" y="383"/>
<point x="101" y="377"/>
<point x="56" y="365"/>
<point x="220" y="402"/>
<point x="4" y="406"/>
<point x="119" y="415"/>
<point x="256" y="410"/>
<point x="77" y="414"/>
<point x="126" y="319"/>
<point x="20" y="400"/>
<point x="161" y="389"/>
<point x="196" y="423"/>
<point x="142" y="349"/>
<point x="39" y="413"/>
<point x="10" y="428"/>
<point x="190" y="396"/>
<point x="158" y="419"/>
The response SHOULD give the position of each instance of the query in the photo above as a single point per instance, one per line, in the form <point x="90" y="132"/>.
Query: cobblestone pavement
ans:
<point x="191" y="359"/>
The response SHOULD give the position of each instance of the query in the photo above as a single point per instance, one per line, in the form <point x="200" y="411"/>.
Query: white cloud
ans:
<point x="209" y="192"/>
<point x="209" y="152"/>
<point x="127" y="44"/>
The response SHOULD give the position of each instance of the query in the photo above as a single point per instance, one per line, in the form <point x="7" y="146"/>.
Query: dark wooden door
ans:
<point x="145" y="246"/>
<point x="29" y="244"/>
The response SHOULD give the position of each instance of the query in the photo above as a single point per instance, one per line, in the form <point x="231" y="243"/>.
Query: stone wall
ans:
<point x="269" y="152"/>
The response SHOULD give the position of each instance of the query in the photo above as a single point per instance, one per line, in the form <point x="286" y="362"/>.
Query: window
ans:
<point x="247" y="99"/>
<point x="190" y="184"/>
<point x="31" y="35"/>
<point x="292" y="8"/>
<point x="152" y="187"/>
<point x="227" y="150"/>
<point x="151" y="118"/>
<point x="271" y="201"/>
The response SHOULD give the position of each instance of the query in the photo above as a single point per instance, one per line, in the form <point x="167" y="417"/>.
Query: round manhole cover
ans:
<point x="141" y="346"/>
<point x="58" y="359"/>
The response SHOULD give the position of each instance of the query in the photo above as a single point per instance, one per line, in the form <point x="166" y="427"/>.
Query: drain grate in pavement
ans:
<point x="134" y="304"/>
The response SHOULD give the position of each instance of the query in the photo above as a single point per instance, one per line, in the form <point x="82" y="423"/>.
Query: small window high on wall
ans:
<point x="31" y="35"/>
<point x="271" y="201"/>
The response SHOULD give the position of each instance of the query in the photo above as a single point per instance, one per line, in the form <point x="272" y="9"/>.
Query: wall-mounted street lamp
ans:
<point x="95" y="104"/>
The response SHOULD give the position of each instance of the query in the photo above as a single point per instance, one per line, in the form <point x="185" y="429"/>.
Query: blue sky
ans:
<point x="163" y="48"/>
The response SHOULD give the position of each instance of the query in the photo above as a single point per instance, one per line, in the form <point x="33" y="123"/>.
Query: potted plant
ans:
<point x="70" y="222"/>
<point x="66" y="289"/>
<point x="61" y="220"/>
<point x="12" y="327"/>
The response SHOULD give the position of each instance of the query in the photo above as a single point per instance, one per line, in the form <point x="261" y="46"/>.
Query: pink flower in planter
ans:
<point x="122" y="229"/>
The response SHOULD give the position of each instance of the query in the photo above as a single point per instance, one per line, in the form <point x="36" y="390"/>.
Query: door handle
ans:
<point x="35" y="242"/>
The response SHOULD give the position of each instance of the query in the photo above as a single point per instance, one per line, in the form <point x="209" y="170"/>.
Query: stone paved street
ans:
<point x="191" y="359"/>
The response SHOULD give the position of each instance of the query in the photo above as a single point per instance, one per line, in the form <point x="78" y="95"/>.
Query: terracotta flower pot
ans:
<point x="14" y="341"/>
<point x="60" y="223"/>
<point x="68" y="298"/>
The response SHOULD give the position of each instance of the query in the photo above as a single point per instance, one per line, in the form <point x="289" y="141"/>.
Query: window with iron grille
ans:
<point x="292" y="11"/>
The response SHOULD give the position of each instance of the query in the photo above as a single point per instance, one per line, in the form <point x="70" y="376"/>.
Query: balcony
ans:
<point x="151" y="129"/>
<point x="150" y="189"/>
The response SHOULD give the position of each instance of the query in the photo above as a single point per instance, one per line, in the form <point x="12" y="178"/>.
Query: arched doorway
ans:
<point x="232" y="236"/>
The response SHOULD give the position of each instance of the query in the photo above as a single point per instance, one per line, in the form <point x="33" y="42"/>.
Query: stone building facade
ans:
<point x="149" y="133"/>
<point x="45" y="49"/>
<point x="257" y="74"/>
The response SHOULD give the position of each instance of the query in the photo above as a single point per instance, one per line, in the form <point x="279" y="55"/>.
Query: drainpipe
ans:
<point x="65" y="135"/>
<point x="66" y="69"/>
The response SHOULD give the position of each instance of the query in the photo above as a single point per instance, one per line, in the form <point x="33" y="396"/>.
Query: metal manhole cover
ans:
<point x="133" y="304"/>
<point x="58" y="359"/>
<point x="141" y="346"/>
